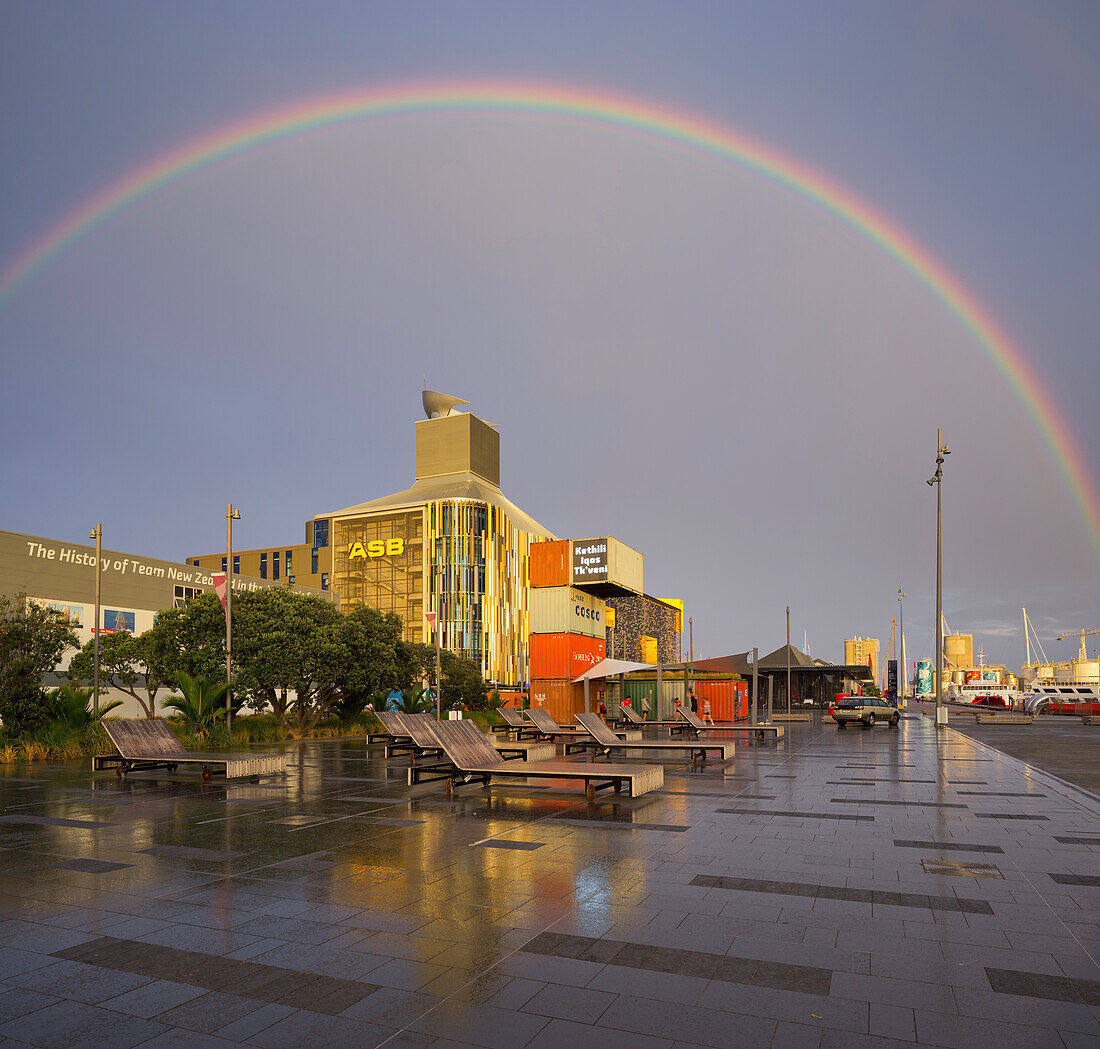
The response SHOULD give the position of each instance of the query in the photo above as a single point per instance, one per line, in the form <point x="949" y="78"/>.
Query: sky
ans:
<point x="679" y="350"/>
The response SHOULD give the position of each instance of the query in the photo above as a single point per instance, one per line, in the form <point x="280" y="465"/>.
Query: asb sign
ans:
<point x="393" y="547"/>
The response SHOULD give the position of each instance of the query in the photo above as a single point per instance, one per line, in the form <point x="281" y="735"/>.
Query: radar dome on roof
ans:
<point x="440" y="405"/>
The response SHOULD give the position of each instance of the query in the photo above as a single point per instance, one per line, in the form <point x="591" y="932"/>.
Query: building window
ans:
<point x="275" y="564"/>
<point x="263" y="566"/>
<point x="320" y="533"/>
<point x="223" y="564"/>
<point x="324" y="580"/>
<point x="313" y="561"/>
<point x="290" y="579"/>
<point x="195" y="562"/>
<point x="236" y="564"/>
<point x="289" y="563"/>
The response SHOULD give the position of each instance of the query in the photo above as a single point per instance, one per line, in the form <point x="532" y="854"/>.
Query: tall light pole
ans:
<point x="937" y="480"/>
<point x="901" y="639"/>
<point x="96" y="534"/>
<point x="788" y="659"/>
<point x="231" y="514"/>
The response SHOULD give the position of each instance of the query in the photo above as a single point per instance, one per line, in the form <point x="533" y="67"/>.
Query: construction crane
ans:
<point x="1082" y="634"/>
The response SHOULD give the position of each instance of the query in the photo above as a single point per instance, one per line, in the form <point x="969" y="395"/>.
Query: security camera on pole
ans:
<point x="937" y="480"/>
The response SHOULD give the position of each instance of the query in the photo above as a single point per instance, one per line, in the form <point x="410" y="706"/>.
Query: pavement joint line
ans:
<point x="657" y="848"/>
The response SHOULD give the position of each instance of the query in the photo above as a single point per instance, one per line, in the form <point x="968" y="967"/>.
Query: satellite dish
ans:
<point x="439" y="405"/>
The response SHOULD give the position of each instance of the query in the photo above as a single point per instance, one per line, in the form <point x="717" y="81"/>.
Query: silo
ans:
<point x="958" y="651"/>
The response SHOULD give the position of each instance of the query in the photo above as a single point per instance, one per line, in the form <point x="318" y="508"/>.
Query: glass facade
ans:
<point x="379" y="561"/>
<point x="462" y="558"/>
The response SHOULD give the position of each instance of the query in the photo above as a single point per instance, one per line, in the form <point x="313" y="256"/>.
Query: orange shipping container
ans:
<point x="563" y="699"/>
<point x="729" y="700"/>
<point x="564" y="656"/>
<point x="551" y="563"/>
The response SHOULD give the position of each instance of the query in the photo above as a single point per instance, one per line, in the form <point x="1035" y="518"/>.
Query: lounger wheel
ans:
<point x="590" y="791"/>
<point x="448" y="786"/>
<point x="120" y="771"/>
<point x="206" y="774"/>
<point x="171" y="768"/>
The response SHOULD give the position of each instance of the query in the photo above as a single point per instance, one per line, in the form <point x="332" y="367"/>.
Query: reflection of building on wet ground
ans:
<point x="885" y="887"/>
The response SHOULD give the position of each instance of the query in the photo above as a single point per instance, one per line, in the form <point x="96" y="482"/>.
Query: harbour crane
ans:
<point x="1082" y="634"/>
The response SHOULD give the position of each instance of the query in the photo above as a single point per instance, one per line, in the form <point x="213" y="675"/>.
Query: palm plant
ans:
<point x="201" y="704"/>
<point x="415" y="701"/>
<point x="72" y="706"/>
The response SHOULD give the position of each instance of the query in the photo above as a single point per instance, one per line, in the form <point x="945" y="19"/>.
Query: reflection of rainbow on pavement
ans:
<point x="627" y="114"/>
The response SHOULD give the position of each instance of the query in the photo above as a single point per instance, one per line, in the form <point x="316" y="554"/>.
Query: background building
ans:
<point x="452" y="544"/>
<point x="863" y="650"/>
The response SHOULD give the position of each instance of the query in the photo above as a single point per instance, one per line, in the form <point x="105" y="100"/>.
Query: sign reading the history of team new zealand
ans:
<point x="590" y="560"/>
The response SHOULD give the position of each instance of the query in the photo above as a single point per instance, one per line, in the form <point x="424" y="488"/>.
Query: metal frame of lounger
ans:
<point x="513" y="722"/>
<point x="628" y="715"/>
<point x="473" y="759"/>
<point x="728" y="726"/>
<point x="606" y="742"/>
<point x="148" y="744"/>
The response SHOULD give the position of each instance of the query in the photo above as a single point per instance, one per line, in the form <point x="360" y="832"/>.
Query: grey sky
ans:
<point x="679" y="352"/>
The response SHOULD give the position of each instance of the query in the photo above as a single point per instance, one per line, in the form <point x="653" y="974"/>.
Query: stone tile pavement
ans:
<point x="872" y="889"/>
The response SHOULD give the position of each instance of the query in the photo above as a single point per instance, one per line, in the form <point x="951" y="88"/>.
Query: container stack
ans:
<point x="567" y="632"/>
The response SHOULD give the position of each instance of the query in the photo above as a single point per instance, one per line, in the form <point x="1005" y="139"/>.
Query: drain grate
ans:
<point x="961" y="870"/>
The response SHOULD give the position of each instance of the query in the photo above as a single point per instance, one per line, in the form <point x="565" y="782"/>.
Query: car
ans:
<point x="867" y="710"/>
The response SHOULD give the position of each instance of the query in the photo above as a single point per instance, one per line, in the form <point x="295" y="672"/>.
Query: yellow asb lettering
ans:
<point x="393" y="547"/>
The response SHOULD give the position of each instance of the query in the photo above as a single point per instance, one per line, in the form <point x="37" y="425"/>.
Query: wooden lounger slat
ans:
<point x="148" y="744"/>
<point x="729" y="726"/>
<point x="608" y="741"/>
<point x="629" y="714"/>
<point x="472" y="754"/>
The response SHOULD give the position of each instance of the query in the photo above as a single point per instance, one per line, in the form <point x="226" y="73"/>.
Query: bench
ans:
<point x="572" y="739"/>
<point x="419" y="727"/>
<point x="1003" y="719"/>
<point x="151" y="744"/>
<point x="514" y="725"/>
<point x="607" y="741"/>
<point x="795" y="715"/>
<point x="472" y="759"/>
<point x="629" y="716"/>
<point x="762" y="731"/>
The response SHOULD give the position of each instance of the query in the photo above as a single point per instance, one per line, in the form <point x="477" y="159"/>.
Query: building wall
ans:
<point x="861" y="650"/>
<point x="133" y="589"/>
<point x="640" y="617"/>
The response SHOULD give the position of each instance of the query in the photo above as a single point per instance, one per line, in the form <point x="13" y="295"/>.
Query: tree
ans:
<point x="287" y="653"/>
<point x="33" y="639"/>
<point x="72" y="706"/>
<point x="190" y="639"/>
<point x="463" y="685"/>
<point x="201" y="703"/>
<point x="138" y="666"/>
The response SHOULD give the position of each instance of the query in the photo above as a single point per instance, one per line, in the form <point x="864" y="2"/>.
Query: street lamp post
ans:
<point x="788" y="659"/>
<point x="901" y="641"/>
<point x="231" y="514"/>
<point x="97" y="535"/>
<point x="937" y="480"/>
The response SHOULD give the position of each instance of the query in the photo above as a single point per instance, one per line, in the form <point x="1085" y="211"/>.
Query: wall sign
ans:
<point x="393" y="547"/>
<point x="589" y="560"/>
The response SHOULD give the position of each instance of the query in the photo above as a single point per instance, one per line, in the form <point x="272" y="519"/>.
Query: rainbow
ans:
<point x="630" y="114"/>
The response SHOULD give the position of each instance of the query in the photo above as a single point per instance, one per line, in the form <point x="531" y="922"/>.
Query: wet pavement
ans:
<point x="838" y="889"/>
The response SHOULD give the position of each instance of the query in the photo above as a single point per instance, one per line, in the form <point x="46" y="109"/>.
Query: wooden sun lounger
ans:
<point x="473" y="759"/>
<point x="572" y="739"/>
<point x="514" y="726"/>
<point x="397" y="737"/>
<point x="151" y="744"/>
<point x="761" y="731"/>
<point x="629" y="716"/>
<point x="420" y="726"/>
<point x="607" y="741"/>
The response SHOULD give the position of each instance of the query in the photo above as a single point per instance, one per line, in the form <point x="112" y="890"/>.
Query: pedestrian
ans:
<point x="603" y="709"/>
<point x="645" y="707"/>
<point x="706" y="711"/>
<point x="692" y="702"/>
